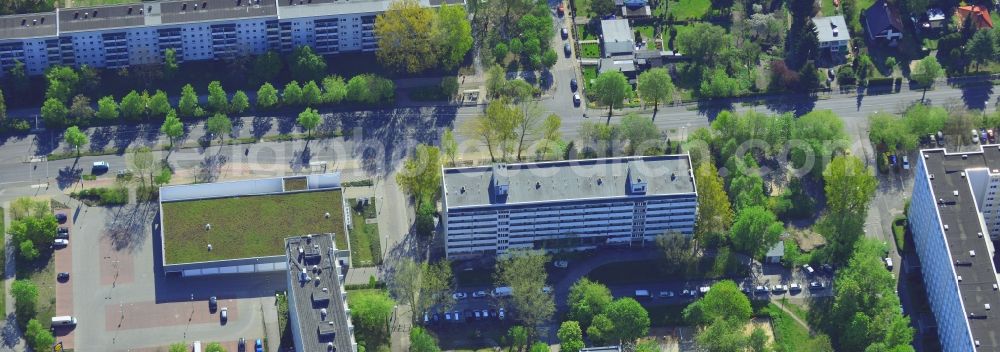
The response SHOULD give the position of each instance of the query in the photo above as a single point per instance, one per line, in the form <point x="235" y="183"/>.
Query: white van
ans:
<point x="65" y="320"/>
<point x="502" y="291"/>
<point x="196" y="346"/>
<point x="642" y="294"/>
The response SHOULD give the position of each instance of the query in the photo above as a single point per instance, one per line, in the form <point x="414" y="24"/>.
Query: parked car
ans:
<point x="666" y="294"/>
<point x="567" y="49"/>
<point x="61" y="218"/>
<point x="258" y="346"/>
<point x="60" y="242"/>
<point x="888" y="263"/>
<point x="794" y="287"/>
<point x="975" y="136"/>
<point x="478" y="316"/>
<point x="459" y="295"/>
<point x="565" y="33"/>
<point x="213" y="304"/>
<point x="242" y="346"/>
<point x="746" y="290"/>
<point x="779" y="289"/>
<point x="816" y="285"/>
<point x="808" y="270"/>
<point x="827" y="268"/>
<point x="990" y="136"/>
<point x="62" y="277"/>
<point x="547" y="289"/>
<point x="573" y="84"/>
<point x="982" y="136"/>
<point x="447" y="316"/>
<point x="906" y="162"/>
<point x="493" y="313"/>
<point x="479" y="294"/>
<point x="62" y="232"/>
<point x="500" y="314"/>
<point x="576" y="99"/>
<point x="703" y="290"/>
<point x="427" y="318"/>
<point x="224" y="314"/>
<point x="436" y="318"/>
<point x="760" y="290"/>
<point x="562" y="264"/>
<point x="100" y="167"/>
<point x="561" y="9"/>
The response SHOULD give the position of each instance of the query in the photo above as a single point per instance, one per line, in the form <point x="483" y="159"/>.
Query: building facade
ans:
<point x="136" y="34"/>
<point x="319" y="317"/>
<point x="566" y="205"/>
<point x="954" y="220"/>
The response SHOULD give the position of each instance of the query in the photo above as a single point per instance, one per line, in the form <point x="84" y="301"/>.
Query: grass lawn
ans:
<point x="366" y="249"/>
<point x="590" y="50"/>
<point x="646" y="31"/>
<point x="283" y="317"/>
<point x="249" y="226"/>
<point x="899" y="232"/>
<point x="790" y="335"/>
<point x="41" y="272"/>
<point x="3" y="261"/>
<point x="584" y="33"/>
<point x="690" y="9"/>
<point x="827" y="7"/>
<point x="583" y="8"/>
<point x="589" y="74"/>
<point x="295" y="184"/>
<point x="83" y="3"/>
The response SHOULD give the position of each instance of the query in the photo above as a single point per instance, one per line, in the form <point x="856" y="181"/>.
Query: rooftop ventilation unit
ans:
<point x="972" y="253"/>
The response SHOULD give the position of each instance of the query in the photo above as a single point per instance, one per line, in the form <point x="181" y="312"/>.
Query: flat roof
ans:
<point x="31" y="25"/>
<point x="322" y="291"/>
<point x="825" y="27"/>
<point x="314" y="8"/>
<point x="568" y="180"/>
<point x="964" y="225"/>
<point x="246" y="226"/>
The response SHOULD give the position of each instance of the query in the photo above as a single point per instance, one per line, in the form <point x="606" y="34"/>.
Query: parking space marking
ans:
<point x="144" y="315"/>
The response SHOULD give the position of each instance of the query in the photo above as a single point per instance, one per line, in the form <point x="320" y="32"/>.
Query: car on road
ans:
<point x="808" y="269"/>
<point x="479" y="294"/>
<point x="60" y="242"/>
<point x="62" y="277"/>
<point x="459" y="295"/>
<point x="816" y="285"/>
<point x="567" y="49"/>
<point x="100" y="167"/>
<point x="565" y="33"/>
<point x="779" y="289"/>
<point x="258" y="346"/>
<point x="576" y="99"/>
<point x="666" y="294"/>
<point x="242" y="346"/>
<point x="562" y="264"/>
<point x="573" y="84"/>
<point x="213" y="303"/>
<point x="500" y="314"/>
<point x="888" y="263"/>
<point x="906" y="162"/>
<point x="224" y="314"/>
<point x="795" y="288"/>
<point x="61" y="218"/>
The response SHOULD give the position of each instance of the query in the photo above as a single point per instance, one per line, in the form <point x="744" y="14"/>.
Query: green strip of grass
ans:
<point x="366" y="250"/>
<point x="789" y="335"/>
<point x="590" y="50"/>
<point x="3" y="263"/>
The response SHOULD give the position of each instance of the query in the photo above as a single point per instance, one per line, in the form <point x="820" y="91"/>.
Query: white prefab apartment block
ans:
<point x="134" y="34"/>
<point x="566" y="205"/>
<point x="954" y="216"/>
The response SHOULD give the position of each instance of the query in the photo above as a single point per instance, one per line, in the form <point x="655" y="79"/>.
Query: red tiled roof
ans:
<point x="981" y="16"/>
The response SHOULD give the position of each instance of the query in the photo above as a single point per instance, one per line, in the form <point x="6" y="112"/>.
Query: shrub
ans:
<point x="102" y="196"/>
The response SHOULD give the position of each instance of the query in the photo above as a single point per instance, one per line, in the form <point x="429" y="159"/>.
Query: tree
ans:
<point x="758" y="340"/>
<point x="218" y="101"/>
<point x="890" y="131"/>
<point x="25" y="295"/>
<point x="370" y="89"/>
<point x="865" y="304"/>
<point x="422" y="341"/>
<point x="311" y="95"/>
<point x="309" y="119"/>
<point x="570" y="337"/>
<point x="219" y="125"/>
<point x="240" y="102"/>
<point x="516" y="47"/>
<point x="19" y="76"/>
<point x="655" y="85"/>
<point x="602" y="7"/>
<point x="37" y="336"/>
<point x="306" y="65"/>
<point x="81" y="109"/>
<point x="703" y="42"/>
<point x="436" y="284"/>
<point x="526" y="124"/>
<point x="549" y="58"/>
<point x="926" y="72"/>
<point x="449" y="145"/>
<point x="334" y="89"/>
<point x="370" y="312"/>
<point x="267" y="96"/>
<point x="267" y="66"/>
<point x="717" y="83"/>
<point x="172" y="127"/>
<point x="890" y="64"/>
<point x="517" y="336"/>
<point x="849" y="187"/>
<point x="539" y="347"/>
<point x="641" y="134"/>
<point x="188" y="104"/>
<point x="496" y="129"/>
<point x="611" y="88"/>
<point x="600" y="330"/>
<point x="75" y="138"/>
<point x="756" y="229"/>
<point x="421" y="174"/>
<point x="159" y="104"/>
<point x="453" y="35"/>
<point x="524" y="272"/>
<point x="214" y="347"/>
<point x="809" y="78"/>
<point x="3" y="108"/>
<point x="292" y="94"/>
<point x="723" y="336"/>
<point x="178" y="347"/>
<point x="913" y="6"/>
<point x="630" y="319"/>
<point x="550" y="133"/>
<point x="141" y="161"/>
<point x="714" y="213"/>
<point x="107" y="108"/>
<point x="981" y="48"/>
<point x="170" y="65"/>
<point x="586" y="300"/>
<point x="63" y="83"/>
<point x="54" y="113"/>
<point x="500" y="51"/>
<point x="679" y="251"/>
<point x="133" y="106"/>
<point x="406" y="35"/>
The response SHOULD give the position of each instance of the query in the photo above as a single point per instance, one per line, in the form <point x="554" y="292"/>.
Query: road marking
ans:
<point x="40" y="185"/>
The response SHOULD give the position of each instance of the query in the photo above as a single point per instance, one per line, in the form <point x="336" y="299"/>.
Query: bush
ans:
<point x="102" y="196"/>
<point x="359" y="183"/>
<point x="846" y="76"/>
<point x="881" y="81"/>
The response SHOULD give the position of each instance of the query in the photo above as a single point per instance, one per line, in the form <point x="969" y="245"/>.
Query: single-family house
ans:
<point x="775" y="253"/>
<point x="617" y="38"/>
<point x="934" y="18"/>
<point x="832" y="33"/>
<point x="882" y="21"/>
<point x="979" y="16"/>
<point x="633" y="8"/>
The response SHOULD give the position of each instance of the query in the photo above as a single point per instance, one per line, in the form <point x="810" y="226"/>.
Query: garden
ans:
<point x="366" y="248"/>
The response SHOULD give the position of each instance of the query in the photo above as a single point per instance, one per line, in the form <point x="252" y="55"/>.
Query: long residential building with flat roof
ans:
<point x="135" y="34"/>
<point x="566" y="205"/>
<point x="954" y="216"/>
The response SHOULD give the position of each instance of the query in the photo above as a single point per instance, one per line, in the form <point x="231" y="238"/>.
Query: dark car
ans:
<point x="258" y="346"/>
<point x="62" y="232"/>
<point x="213" y="303"/>
<point x="242" y="346"/>
<point x="469" y="316"/>
<point x="62" y="277"/>
<point x="493" y="313"/>
<point x="567" y="49"/>
<point x="61" y="218"/>
<point x="573" y="85"/>
<point x="816" y="285"/>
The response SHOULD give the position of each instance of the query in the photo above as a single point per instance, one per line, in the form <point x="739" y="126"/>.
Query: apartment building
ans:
<point x="319" y="317"/>
<point x="566" y="205"/>
<point x="134" y="34"/>
<point x="955" y="217"/>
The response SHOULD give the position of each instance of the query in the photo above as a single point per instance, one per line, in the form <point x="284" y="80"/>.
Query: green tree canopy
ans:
<point x="926" y="71"/>
<point x="452" y="35"/>
<point x="655" y="86"/>
<point x="292" y="94"/>
<point x="133" y="105"/>
<point x="642" y="135"/>
<point x="570" y="337"/>
<point x="267" y="96"/>
<point x="587" y="299"/>
<point x="75" y="138"/>
<point x="63" y="83"/>
<point x="714" y="213"/>
<point x="849" y="187"/>
<point x="107" y="108"/>
<point x="172" y="127"/>
<point x="220" y="125"/>
<point x="630" y="319"/>
<point x="311" y="94"/>
<point x="54" y="113"/>
<point x="159" y="104"/>
<point x="267" y="66"/>
<point x="240" y="102"/>
<point x="524" y="272"/>
<point x="406" y="40"/>
<point x="421" y="174"/>
<point x="188" y="105"/>
<point x="370" y="312"/>
<point x="306" y="65"/>
<point x="611" y="88"/>
<point x="218" y="101"/>
<point x="703" y="41"/>
<point x="421" y="340"/>
<point x="309" y="119"/>
<point x="334" y="89"/>
<point x="756" y="229"/>
<point x="214" y="347"/>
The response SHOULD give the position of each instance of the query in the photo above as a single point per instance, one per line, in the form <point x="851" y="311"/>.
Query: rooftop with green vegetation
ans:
<point x="246" y="226"/>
